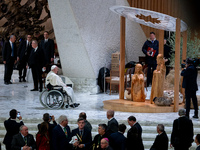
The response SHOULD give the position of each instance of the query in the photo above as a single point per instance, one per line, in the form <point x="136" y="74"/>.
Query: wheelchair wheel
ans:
<point x="54" y="99"/>
<point x="42" y="97"/>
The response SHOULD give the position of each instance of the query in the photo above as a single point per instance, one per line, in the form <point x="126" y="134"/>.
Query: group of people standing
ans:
<point x="30" y="53"/>
<point x="58" y="136"/>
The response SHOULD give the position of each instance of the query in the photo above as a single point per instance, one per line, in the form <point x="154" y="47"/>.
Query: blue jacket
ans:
<point x="59" y="139"/>
<point x="117" y="141"/>
<point x="155" y="46"/>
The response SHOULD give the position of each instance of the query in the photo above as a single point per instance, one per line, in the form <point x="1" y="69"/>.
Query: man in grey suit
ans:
<point x="112" y="123"/>
<point x="23" y="140"/>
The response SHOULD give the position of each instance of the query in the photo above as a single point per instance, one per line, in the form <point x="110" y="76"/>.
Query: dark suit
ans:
<point x="23" y="53"/>
<point x="134" y="138"/>
<point x="198" y="147"/>
<point x="182" y="133"/>
<point x="161" y="142"/>
<point x="86" y="137"/>
<point x="59" y="139"/>
<point x="19" y="142"/>
<point x="48" y="49"/>
<point x="36" y="62"/>
<point x="190" y="84"/>
<point x="118" y="141"/>
<point x="12" y="128"/>
<point x="96" y="143"/>
<point x="50" y="129"/>
<point x="10" y="59"/>
<point x="112" y="126"/>
<point x="151" y="61"/>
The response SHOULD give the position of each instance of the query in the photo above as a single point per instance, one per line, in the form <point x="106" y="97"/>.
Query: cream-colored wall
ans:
<point x="87" y="33"/>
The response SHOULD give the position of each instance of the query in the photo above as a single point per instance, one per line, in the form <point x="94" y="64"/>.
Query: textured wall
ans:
<point x="87" y="33"/>
<point x="100" y="31"/>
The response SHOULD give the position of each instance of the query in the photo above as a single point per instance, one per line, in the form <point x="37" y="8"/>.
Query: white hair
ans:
<point x="62" y="118"/>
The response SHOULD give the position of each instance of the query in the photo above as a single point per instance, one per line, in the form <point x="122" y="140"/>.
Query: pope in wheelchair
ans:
<point x="53" y="80"/>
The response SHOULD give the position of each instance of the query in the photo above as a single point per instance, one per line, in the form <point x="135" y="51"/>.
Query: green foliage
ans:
<point x="193" y="47"/>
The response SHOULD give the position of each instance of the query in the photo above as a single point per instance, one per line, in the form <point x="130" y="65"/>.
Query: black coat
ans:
<point x="48" y="49"/>
<point x="161" y="142"/>
<point x="19" y="142"/>
<point x="118" y="141"/>
<point x="59" y="139"/>
<point x="12" y="128"/>
<point x="190" y="78"/>
<point x="198" y="147"/>
<point x="134" y="138"/>
<point x="36" y="58"/>
<point x="86" y="138"/>
<point x="112" y="126"/>
<point x="182" y="132"/>
<point x="96" y="143"/>
<point x="7" y="50"/>
<point x="24" y="51"/>
<point x="155" y="46"/>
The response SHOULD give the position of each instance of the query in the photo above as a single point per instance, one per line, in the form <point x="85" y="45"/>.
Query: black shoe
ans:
<point x="9" y="82"/>
<point x="6" y="83"/>
<point x="34" y="90"/>
<point x="76" y="104"/>
<point x="72" y="105"/>
<point x="66" y="106"/>
<point x="40" y="90"/>
<point x="24" y="80"/>
<point x="196" y="117"/>
<point x="20" y="80"/>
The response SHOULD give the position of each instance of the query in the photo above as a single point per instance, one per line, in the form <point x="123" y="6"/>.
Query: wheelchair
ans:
<point x="53" y="97"/>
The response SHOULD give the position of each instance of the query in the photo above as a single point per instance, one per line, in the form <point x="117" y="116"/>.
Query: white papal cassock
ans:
<point x="55" y="80"/>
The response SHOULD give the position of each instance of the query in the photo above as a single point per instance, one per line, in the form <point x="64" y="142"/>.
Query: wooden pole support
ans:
<point x="122" y="56"/>
<point x="184" y="52"/>
<point x="177" y="64"/>
<point x="161" y="42"/>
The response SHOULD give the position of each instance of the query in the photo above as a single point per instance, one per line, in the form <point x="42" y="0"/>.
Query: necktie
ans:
<point x="81" y="133"/>
<point x="12" y="50"/>
<point x="152" y="41"/>
<point x="25" y="140"/>
<point x="65" y="130"/>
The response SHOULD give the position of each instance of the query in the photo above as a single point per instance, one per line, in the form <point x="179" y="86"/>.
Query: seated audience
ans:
<point x="42" y="137"/>
<point x="197" y="141"/>
<point x="112" y="123"/>
<point x="87" y="124"/>
<point x="84" y="135"/>
<point x="161" y="141"/>
<point x="23" y="140"/>
<point x="105" y="144"/>
<point x="117" y="139"/>
<point x="12" y="128"/>
<point x="134" y="135"/>
<point x="96" y="143"/>
<point x="61" y="134"/>
<point x="54" y="80"/>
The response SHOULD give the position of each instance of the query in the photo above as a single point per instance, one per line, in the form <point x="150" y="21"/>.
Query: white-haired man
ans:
<point x="53" y="79"/>
<point x="61" y="134"/>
